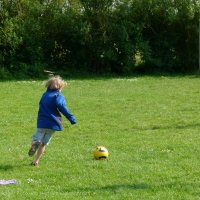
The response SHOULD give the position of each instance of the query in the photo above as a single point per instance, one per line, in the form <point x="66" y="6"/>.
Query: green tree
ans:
<point x="103" y="36"/>
<point x="9" y="37"/>
<point x="168" y="33"/>
<point x="108" y="43"/>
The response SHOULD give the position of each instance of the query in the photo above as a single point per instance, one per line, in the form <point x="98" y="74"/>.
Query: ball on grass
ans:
<point x="101" y="153"/>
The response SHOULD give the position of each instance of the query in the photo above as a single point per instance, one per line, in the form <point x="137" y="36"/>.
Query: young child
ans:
<point x="51" y="105"/>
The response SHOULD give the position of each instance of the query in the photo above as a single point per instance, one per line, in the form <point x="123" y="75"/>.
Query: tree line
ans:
<point x="98" y="36"/>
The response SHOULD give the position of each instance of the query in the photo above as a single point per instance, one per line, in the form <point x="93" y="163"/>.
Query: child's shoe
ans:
<point x="34" y="164"/>
<point x="33" y="148"/>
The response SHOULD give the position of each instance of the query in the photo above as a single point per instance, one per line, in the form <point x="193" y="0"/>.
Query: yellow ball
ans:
<point x="101" y="153"/>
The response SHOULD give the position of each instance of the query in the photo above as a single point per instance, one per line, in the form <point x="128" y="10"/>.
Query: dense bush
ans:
<point x="100" y="36"/>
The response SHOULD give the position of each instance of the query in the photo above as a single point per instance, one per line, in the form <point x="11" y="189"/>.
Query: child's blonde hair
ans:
<point x="55" y="82"/>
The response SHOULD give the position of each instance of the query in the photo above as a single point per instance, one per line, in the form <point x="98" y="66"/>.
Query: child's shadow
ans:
<point x="10" y="167"/>
<point x="6" y="167"/>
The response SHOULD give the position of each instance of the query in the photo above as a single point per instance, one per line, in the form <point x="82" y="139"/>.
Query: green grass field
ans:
<point x="150" y="125"/>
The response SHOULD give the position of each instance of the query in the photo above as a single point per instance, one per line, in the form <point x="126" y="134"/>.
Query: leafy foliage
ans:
<point x="107" y="36"/>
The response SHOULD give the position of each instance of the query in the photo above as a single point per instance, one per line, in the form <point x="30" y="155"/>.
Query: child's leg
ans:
<point x="36" y="141"/>
<point x="34" y="147"/>
<point x="39" y="154"/>
<point x="47" y="135"/>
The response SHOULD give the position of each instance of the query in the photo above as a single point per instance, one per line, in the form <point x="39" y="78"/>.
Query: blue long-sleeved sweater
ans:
<point x="51" y="105"/>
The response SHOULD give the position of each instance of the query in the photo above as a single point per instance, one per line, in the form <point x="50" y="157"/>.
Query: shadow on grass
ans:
<point x="163" y="127"/>
<point x="102" y="76"/>
<point x="10" y="167"/>
<point x="111" y="188"/>
<point x="125" y="186"/>
<point x="6" y="167"/>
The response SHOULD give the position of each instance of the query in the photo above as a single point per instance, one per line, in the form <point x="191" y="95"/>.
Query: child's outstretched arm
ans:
<point x="62" y="106"/>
